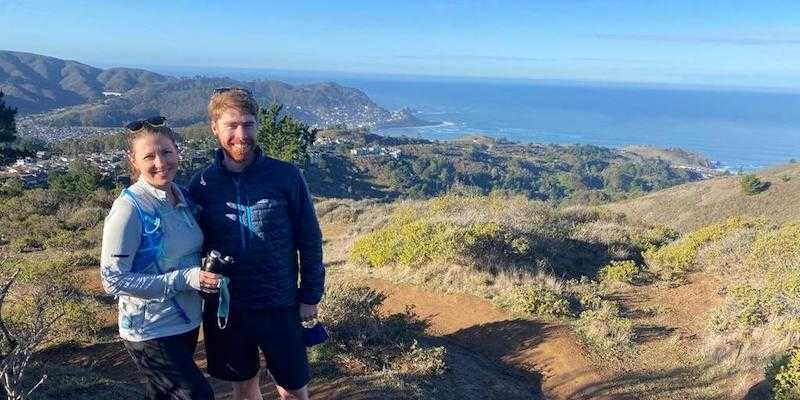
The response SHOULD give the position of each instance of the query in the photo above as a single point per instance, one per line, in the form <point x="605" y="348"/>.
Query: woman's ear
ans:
<point x="132" y="164"/>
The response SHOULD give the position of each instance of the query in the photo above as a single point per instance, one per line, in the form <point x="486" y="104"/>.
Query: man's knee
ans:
<point x="247" y="389"/>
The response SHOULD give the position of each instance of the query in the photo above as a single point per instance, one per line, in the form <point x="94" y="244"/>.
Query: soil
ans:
<point x="532" y="348"/>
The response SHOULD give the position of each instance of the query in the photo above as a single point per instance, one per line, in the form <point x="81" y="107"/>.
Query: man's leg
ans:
<point x="281" y="341"/>
<point x="299" y="394"/>
<point x="232" y="353"/>
<point x="247" y="390"/>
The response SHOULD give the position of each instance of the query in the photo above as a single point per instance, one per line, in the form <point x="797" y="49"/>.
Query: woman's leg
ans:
<point x="168" y="366"/>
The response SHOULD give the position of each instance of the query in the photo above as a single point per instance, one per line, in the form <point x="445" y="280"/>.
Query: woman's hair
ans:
<point x="147" y="130"/>
<point x="231" y="98"/>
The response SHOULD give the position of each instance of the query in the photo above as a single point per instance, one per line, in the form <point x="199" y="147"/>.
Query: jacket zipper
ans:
<point x="239" y="217"/>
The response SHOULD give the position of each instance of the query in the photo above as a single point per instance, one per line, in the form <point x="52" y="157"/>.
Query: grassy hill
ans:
<point x="693" y="205"/>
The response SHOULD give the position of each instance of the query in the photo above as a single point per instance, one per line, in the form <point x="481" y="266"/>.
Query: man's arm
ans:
<point x="308" y="241"/>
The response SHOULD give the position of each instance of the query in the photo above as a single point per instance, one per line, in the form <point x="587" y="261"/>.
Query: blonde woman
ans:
<point x="150" y="262"/>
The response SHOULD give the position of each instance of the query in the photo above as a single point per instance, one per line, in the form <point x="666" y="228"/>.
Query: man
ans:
<point x="258" y="210"/>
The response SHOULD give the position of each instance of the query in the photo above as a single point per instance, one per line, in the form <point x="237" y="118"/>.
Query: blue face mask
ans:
<point x="314" y="334"/>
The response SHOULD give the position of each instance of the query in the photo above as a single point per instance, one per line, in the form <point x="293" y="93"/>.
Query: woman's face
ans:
<point x="156" y="159"/>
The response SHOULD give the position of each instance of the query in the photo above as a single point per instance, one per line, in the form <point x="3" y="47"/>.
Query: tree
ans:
<point x="18" y="345"/>
<point x="750" y="185"/>
<point x="284" y="137"/>
<point x="8" y="126"/>
<point x="79" y="182"/>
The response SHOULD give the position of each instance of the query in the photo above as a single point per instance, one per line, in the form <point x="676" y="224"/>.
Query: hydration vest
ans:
<point x="151" y="244"/>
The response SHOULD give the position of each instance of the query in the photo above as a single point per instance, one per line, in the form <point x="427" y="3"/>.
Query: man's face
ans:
<point x="236" y="133"/>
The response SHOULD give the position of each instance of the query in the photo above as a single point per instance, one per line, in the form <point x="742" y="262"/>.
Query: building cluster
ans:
<point x="393" y="152"/>
<point x="27" y="127"/>
<point x="33" y="171"/>
<point x="330" y="145"/>
<point x="351" y="116"/>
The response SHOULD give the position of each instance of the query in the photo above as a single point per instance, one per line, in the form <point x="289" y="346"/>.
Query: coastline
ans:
<point x="450" y="130"/>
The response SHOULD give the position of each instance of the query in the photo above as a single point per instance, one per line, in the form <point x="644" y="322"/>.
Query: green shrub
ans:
<point x="363" y="341"/>
<point x="619" y="271"/>
<point x="85" y="218"/>
<point x="65" y="381"/>
<point x="535" y="300"/>
<point x="762" y="292"/>
<point x="25" y="243"/>
<point x="424" y="241"/>
<point x="776" y="250"/>
<point x="31" y="202"/>
<point x="673" y="260"/>
<point x="67" y="241"/>
<point x="751" y="184"/>
<point x="490" y="232"/>
<point x="751" y="303"/>
<point x="783" y="374"/>
<point x="604" y="330"/>
<point x="75" y="261"/>
<point x="425" y="362"/>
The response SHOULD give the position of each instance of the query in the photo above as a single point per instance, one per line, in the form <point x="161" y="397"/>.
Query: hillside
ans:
<point x="69" y="93"/>
<point x="401" y="167"/>
<point x="36" y="83"/>
<point x="693" y="205"/>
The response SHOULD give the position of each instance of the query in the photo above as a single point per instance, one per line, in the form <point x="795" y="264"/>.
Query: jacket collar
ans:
<point x="162" y="194"/>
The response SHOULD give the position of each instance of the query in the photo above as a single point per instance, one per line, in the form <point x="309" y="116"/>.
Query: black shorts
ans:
<point x="232" y="352"/>
<point x="168" y="366"/>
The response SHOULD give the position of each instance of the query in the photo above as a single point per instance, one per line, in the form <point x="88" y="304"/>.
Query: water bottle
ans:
<point x="213" y="263"/>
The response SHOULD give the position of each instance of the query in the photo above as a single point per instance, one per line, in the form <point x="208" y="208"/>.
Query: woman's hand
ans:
<point x="207" y="282"/>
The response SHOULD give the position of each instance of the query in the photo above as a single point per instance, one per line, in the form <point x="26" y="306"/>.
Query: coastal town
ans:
<point x="33" y="171"/>
<point x="28" y="126"/>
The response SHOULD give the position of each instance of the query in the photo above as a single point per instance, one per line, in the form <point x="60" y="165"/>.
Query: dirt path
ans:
<point x="550" y="350"/>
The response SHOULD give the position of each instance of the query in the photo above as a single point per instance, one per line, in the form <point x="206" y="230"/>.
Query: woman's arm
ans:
<point x="121" y="236"/>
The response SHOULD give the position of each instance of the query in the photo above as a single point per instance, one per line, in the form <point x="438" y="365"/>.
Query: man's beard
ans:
<point x="239" y="152"/>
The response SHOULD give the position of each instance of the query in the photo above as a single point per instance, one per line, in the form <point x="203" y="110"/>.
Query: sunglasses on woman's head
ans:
<point x="152" y="122"/>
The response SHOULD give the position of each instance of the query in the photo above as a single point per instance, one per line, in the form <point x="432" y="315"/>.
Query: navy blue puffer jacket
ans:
<point x="264" y="218"/>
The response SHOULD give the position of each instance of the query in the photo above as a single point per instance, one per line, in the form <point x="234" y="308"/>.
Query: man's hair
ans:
<point x="236" y="98"/>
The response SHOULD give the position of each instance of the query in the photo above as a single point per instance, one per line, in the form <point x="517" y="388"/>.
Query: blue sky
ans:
<point x="728" y="43"/>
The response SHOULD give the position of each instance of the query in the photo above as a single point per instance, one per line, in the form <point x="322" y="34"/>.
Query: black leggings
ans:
<point x="168" y="366"/>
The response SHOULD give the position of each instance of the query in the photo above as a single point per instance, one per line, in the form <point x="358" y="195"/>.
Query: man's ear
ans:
<point x="213" y="125"/>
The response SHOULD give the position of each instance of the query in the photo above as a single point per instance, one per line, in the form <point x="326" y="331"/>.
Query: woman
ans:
<point x="150" y="261"/>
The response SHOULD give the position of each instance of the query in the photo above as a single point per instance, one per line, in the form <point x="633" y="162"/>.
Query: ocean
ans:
<point x="739" y="129"/>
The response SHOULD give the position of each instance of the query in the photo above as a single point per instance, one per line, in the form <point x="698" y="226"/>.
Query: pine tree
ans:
<point x="8" y="126"/>
<point x="284" y="137"/>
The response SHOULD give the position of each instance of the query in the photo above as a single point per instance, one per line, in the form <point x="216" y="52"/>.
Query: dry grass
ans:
<point x="694" y="205"/>
<point x="666" y="351"/>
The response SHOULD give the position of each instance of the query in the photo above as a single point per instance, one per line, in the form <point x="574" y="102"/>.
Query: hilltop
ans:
<point x="68" y="93"/>
<point x="36" y="83"/>
<point x="693" y="205"/>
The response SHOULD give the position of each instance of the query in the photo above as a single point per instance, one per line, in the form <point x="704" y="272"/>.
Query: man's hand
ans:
<point x="308" y="312"/>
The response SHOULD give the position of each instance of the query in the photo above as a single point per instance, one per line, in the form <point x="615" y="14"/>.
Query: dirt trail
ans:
<point x="535" y="347"/>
